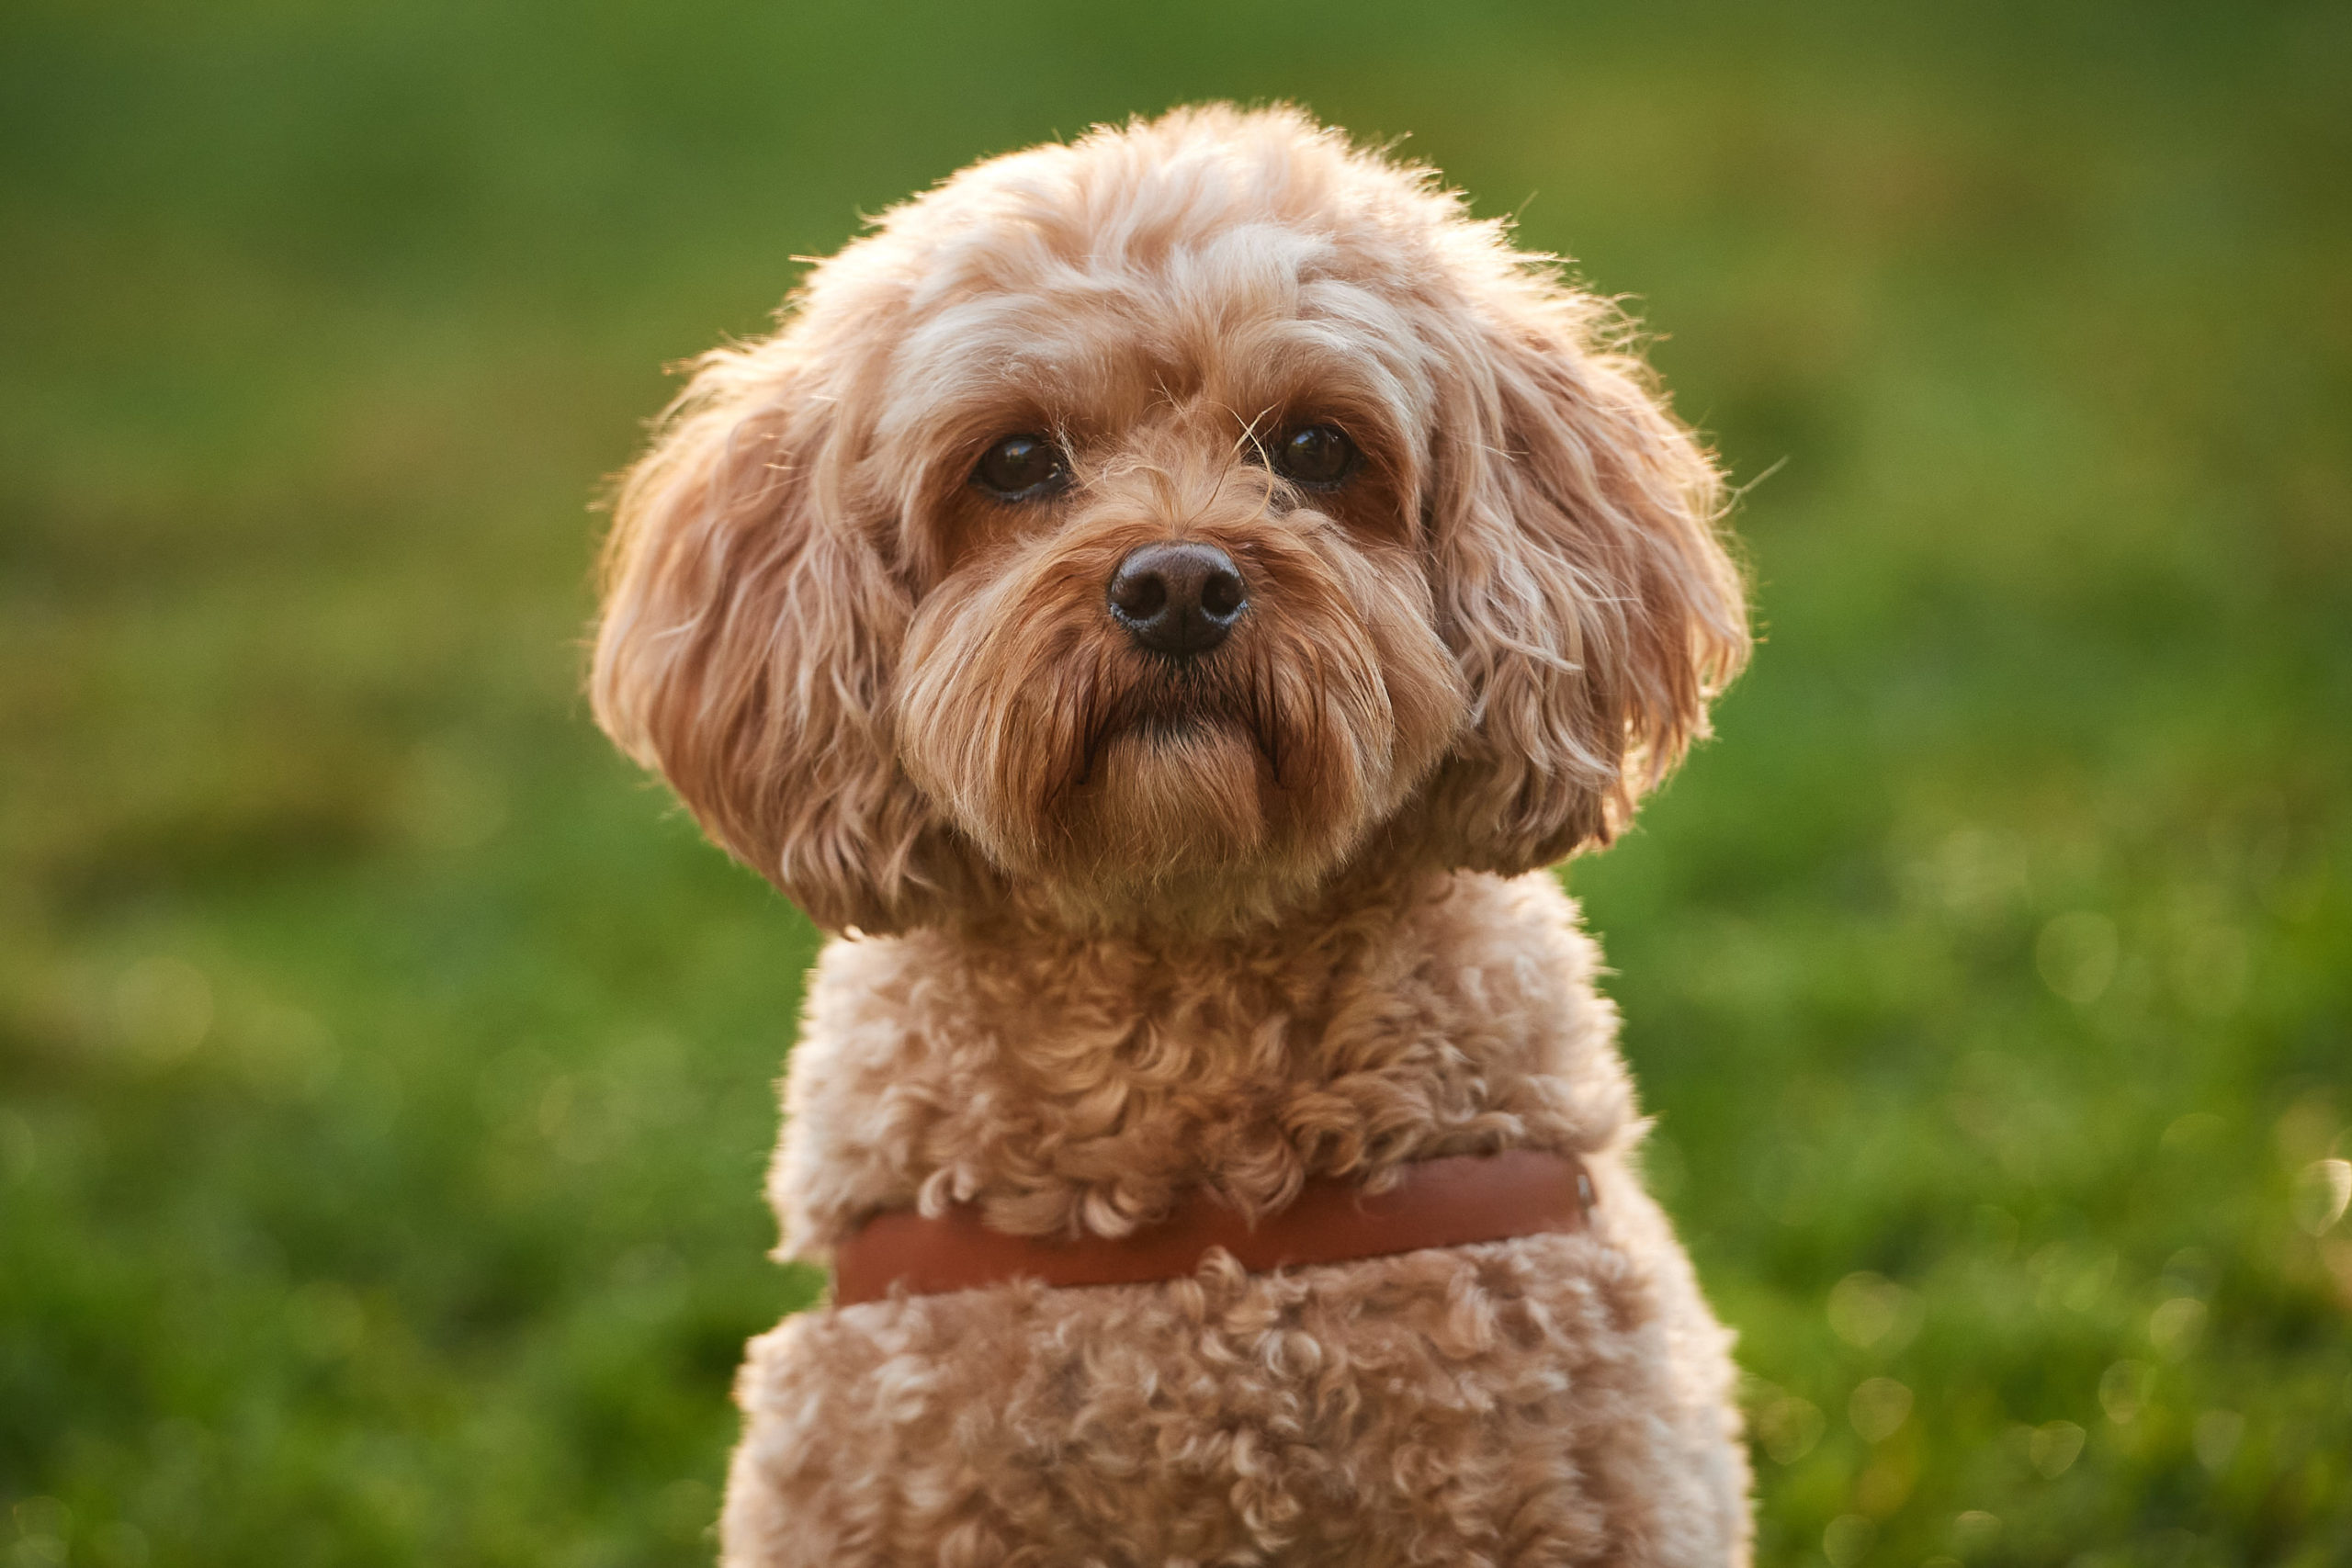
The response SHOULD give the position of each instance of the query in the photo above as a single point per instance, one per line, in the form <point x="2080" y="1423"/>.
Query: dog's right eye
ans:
<point x="1022" y="468"/>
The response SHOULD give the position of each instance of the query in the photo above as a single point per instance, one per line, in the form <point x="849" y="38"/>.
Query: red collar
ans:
<point x="1453" y="1201"/>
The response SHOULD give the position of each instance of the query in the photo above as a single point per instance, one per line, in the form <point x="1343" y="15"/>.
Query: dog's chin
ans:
<point x="1202" y="811"/>
<point x="1194" y="815"/>
<point x="1175" y="802"/>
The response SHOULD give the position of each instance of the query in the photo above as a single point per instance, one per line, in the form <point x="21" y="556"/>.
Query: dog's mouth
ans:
<point x="1171" y="710"/>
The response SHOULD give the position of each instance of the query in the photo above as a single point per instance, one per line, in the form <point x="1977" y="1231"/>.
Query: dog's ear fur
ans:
<point x="1580" y="577"/>
<point x="749" y="633"/>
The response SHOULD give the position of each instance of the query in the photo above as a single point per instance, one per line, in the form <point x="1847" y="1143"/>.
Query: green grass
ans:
<point x="385" y="1072"/>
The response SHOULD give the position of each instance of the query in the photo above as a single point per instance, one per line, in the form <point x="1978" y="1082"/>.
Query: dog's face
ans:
<point x="1157" y="522"/>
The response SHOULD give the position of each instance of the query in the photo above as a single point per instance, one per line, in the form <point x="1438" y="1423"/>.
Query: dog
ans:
<point x="1161" y="602"/>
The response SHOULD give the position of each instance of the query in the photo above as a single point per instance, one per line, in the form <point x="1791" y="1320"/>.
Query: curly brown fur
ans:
<point x="1115" y="927"/>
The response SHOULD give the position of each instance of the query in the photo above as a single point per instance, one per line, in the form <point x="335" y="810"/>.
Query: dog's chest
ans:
<point x="1471" y="1395"/>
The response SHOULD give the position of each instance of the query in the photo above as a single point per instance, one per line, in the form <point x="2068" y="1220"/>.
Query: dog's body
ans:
<point x="1549" y="1400"/>
<point x="1169" y="591"/>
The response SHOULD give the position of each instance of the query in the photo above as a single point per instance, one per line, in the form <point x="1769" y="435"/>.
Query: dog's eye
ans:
<point x="1316" y="455"/>
<point x="1022" y="468"/>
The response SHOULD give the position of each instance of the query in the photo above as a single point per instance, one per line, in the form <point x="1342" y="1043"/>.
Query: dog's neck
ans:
<point x="1074" y="1079"/>
<point x="1183" y="932"/>
<point x="1217" y="921"/>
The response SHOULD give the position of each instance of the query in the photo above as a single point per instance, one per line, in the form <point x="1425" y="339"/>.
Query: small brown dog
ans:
<point x="1163" y="601"/>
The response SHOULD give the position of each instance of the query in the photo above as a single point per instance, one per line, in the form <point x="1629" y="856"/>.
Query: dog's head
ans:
<point x="1165" y="520"/>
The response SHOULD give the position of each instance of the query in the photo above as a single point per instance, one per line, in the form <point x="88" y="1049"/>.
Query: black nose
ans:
<point x="1178" y="599"/>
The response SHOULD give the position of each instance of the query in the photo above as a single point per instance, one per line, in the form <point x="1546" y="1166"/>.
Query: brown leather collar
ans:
<point x="1449" y="1202"/>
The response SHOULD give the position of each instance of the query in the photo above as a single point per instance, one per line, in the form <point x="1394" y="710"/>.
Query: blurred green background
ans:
<point x="385" y="1071"/>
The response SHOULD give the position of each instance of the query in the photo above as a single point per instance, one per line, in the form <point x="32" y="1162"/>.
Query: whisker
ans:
<point x="1273" y="724"/>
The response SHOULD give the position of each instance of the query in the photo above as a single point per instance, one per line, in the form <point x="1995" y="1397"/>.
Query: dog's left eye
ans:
<point x="1316" y="455"/>
<point x="1022" y="468"/>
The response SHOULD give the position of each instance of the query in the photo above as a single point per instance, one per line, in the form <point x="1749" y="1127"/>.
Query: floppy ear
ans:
<point x="749" y="633"/>
<point x="1579" y="581"/>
